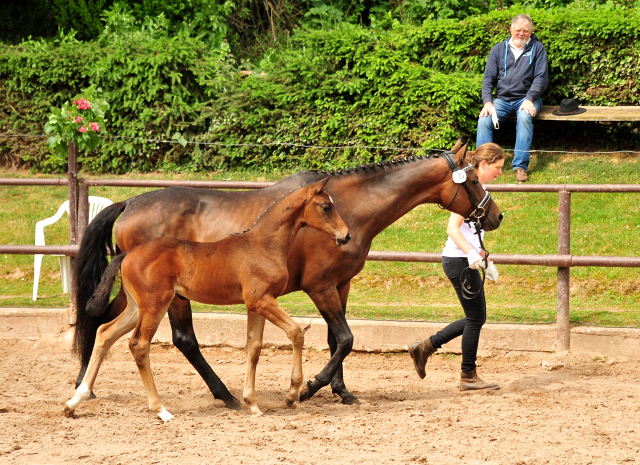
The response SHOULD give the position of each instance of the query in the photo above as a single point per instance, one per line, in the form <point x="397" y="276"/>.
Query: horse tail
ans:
<point x="91" y="262"/>
<point x="98" y="302"/>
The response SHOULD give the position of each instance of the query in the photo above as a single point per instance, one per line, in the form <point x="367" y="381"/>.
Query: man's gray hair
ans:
<point x="521" y="17"/>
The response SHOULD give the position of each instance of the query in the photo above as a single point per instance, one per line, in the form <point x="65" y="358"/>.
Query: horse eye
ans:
<point x="475" y="182"/>
<point x="327" y="207"/>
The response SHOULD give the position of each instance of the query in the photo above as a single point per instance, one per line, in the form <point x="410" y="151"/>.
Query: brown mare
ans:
<point x="249" y="268"/>
<point x="369" y="198"/>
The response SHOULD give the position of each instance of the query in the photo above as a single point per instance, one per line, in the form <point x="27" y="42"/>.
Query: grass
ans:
<point x="601" y="224"/>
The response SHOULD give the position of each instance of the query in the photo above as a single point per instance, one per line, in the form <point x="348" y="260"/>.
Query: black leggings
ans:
<point x="475" y="310"/>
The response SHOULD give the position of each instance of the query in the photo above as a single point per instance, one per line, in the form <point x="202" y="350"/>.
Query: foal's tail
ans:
<point x="91" y="262"/>
<point x="100" y="299"/>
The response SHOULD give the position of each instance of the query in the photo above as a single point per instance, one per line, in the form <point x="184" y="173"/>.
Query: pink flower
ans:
<point x="83" y="104"/>
<point x="94" y="127"/>
<point x="82" y="128"/>
<point x="78" y="119"/>
<point x="75" y="102"/>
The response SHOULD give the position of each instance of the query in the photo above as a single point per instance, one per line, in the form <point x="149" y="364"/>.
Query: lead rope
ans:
<point x="467" y="293"/>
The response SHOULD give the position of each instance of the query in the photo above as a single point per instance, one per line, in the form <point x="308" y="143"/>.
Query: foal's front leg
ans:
<point x="140" y="345"/>
<point x="255" y="331"/>
<point x="268" y="307"/>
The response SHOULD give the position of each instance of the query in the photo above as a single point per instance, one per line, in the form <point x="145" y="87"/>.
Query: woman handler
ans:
<point x="461" y="251"/>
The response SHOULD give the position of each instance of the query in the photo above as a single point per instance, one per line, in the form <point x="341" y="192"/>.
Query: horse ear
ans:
<point x="318" y="186"/>
<point x="461" y="154"/>
<point x="457" y="146"/>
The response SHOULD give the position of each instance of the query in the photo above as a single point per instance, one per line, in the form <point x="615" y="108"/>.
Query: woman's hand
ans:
<point x="475" y="260"/>
<point x="492" y="272"/>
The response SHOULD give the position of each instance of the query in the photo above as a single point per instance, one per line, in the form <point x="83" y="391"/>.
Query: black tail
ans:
<point x="100" y="299"/>
<point x="91" y="262"/>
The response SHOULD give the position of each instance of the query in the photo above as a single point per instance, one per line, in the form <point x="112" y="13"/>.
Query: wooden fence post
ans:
<point x="83" y="210"/>
<point x="73" y="225"/>
<point x="564" y="248"/>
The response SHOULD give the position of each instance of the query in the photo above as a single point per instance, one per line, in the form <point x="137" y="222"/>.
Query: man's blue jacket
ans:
<point x="513" y="79"/>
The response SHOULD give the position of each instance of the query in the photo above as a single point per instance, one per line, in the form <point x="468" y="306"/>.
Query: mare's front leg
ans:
<point x="255" y="331"/>
<point x="184" y="339"/>
<point x="267" y="307"/>
<point x="330" y="306"/>
<point x="337" y="382"/>
<point x="106" y="336"/>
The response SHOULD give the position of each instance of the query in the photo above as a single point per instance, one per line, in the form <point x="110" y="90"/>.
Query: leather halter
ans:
<point x="479" y="210"/>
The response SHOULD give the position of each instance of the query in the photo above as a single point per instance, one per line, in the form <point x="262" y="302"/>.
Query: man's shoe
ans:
<point x="420" y="353"/>
<point x="472" y="382"/>
<point x="521" y="175"/>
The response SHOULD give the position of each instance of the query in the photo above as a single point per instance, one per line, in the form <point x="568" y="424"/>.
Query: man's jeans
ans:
<point x="524" y="129"/>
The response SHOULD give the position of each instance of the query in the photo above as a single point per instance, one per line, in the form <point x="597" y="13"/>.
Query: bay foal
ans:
<point x="249" y="268"/>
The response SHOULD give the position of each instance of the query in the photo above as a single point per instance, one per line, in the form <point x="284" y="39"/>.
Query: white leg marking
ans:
<point x="255" y="411"/>
<point x="164" y="415"/>
<point x="82" y="393"/>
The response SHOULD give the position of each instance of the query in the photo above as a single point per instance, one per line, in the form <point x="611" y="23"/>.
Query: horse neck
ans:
<point x="279" y="224"/>
<point x="383" y="194"/>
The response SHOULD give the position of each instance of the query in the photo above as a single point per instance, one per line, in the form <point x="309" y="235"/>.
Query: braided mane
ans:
<point x="395" y="161"/>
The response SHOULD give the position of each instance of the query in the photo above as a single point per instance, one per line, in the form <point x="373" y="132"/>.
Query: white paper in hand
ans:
<point x="494" y="118"/>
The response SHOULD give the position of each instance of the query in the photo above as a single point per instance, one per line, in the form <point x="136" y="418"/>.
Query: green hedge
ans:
<point x="403" y="86"/>
<point x="154" y="83"/>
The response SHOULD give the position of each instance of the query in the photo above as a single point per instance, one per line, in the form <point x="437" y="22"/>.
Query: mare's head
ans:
<point x="465" y="195"/>
<point x="320" y="213"/>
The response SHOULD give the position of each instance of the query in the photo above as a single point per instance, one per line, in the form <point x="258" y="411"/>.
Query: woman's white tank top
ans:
<point x="469" y="232"/>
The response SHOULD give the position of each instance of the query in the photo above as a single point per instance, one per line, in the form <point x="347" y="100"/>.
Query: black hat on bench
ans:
<point x="568" y="107"/>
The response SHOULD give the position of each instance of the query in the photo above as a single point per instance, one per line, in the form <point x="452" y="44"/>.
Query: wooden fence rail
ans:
<point x="563" y="260"/>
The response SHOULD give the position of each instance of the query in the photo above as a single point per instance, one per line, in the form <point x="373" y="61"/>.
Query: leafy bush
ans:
<point x="349" y="87"/>
<point x="154" y="82"/>
<point x="323" y="99"/>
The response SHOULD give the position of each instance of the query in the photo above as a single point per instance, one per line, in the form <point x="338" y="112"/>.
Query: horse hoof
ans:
<point x="305" y="391"/>
<point x="68" y="411"/>
<point x="165" y="416"/>
<point x="233" y="404"/>
<point x="351" y="400"/>
<point x="288" y="403"/>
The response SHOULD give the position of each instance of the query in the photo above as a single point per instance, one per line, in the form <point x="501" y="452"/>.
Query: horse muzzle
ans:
<point x="490" y="223"/>
<point x="343" y="239"/>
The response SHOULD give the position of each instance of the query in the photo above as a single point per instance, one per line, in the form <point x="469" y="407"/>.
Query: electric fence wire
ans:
<point x="538" y="323"/>
<point x="322" y="147"/>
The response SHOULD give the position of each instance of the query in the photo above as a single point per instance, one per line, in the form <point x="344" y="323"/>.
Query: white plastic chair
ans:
<point x="96" y="204"/>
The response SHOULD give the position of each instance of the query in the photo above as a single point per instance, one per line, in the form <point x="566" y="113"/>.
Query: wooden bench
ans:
<point x="592" y="114"/>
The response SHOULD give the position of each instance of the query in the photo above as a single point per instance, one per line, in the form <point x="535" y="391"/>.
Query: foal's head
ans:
<point x="320" y="213"/>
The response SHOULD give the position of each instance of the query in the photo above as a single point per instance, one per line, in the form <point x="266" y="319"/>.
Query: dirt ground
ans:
<point x="584" y="412"/>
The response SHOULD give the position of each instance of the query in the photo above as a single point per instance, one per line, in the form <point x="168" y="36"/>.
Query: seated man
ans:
<point x="517" y="69"/>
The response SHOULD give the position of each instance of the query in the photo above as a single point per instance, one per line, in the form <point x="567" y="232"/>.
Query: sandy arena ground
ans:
<point x="585" y="412"/>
